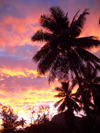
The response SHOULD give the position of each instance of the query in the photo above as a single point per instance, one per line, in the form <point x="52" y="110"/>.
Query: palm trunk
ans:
<point x="84" y="102"/>
<point x="83" y="96"/>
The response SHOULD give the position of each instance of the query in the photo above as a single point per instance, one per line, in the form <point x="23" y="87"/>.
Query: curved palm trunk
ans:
<point x="83" y="95"/>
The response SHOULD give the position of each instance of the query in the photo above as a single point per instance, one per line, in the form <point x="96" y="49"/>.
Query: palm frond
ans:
<point x="62" y="106"/>
<point x="77" y="25"/>
<point x="77" y="61"/>
<point x="58" y="89"/>
<point x="86" y="42"/>
<point x="98" y="67"/>
<point x="81" y="19"/>
<point x="41" y="36"/>
<point x="87" y="56"/>
<point x="75" y="105"/>
<point x="58" y="102"/>
<point x="78" y="93"/>
<point x="94" y="73"/>
<point x="41" y="53"/>
<point x="57" y="12"/>
<point x="74" y="82"/>
<point x="65" y="86"/>
<point x="48" y="23"/>
<point x="90" y="72"/>
<point x="60" y="94"/>
<point x="74" y="18"/>
<point x="97" y="80"/>
<point x="56" y="21"/>
<point x="58" y="68"/>
<point x="91" y="104"/>
<point x="76" y="99"/>
<point x="60" y="18"/>
<point x="45" y="63"/>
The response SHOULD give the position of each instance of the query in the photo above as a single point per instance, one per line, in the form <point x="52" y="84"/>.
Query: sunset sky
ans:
<point x="20" y="86"/>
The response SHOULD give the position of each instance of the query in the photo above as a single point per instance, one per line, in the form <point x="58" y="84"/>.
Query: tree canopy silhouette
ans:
<point x="68" y="99"/>
<point x="91" y="86"/>
<point x="64" y="51"/>
<point x="61" y="39"/>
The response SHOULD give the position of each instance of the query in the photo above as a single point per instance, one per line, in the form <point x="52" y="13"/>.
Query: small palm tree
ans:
<point x="67" y="98"/>
<point x="69" y="101"/>
<point x="22" y="122"/>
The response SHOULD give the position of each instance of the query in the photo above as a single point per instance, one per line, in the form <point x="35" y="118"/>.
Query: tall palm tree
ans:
<point x="67" y="98"/>
<point x="63" y="51"/>
<point x="91" y="86"/>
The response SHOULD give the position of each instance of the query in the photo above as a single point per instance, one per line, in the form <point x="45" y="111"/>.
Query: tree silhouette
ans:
<point x="63" y="51"/>
<point x="68" y="99"/>
<point x="91" y="86"/>
<point x="22" y="122"/>
<point x="43" y="114"/>
<point x="9" y="119"/>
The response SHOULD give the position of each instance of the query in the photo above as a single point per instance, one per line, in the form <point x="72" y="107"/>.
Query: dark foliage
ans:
<point x="61" y="38"/>
<point x="10" y="120"/>
<point x="91" y="86"/>
<point x="64" y="52"/>
<point x="68" y="99"/>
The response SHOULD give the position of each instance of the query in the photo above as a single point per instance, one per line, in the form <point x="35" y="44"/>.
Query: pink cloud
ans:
<point x="16" y="29"/>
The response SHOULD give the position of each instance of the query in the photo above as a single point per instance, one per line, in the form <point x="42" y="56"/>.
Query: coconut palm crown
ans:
<point x="68" y="99"/>
<point x="63" y="50"/>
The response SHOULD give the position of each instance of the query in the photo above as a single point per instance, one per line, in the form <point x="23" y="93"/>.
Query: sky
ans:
<point x="20" y="86"/>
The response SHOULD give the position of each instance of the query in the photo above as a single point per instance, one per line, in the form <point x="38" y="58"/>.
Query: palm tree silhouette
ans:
<point x="91" y="86"/>
<point x="63" y="51"/>
<point x="67" y="98"/>
<point x="22" y="122"/>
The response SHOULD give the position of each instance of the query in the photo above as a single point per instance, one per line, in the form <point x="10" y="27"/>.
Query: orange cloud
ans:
<point x="19" y="30"/>
<point x="17" y="72"/>
<point x="22" y="101"/>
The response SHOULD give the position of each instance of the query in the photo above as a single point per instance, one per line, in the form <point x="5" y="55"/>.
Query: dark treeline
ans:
<point x="43" y="124"/>
<point x="12" y="123"/>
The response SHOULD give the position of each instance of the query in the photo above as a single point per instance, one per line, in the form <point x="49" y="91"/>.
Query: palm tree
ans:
<point x="22" y="122"/>
<point x="64" y="52"/>
<point x="9" y="119"/>
<point x="91" y="85"/>
<point x="67" y="98"/>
